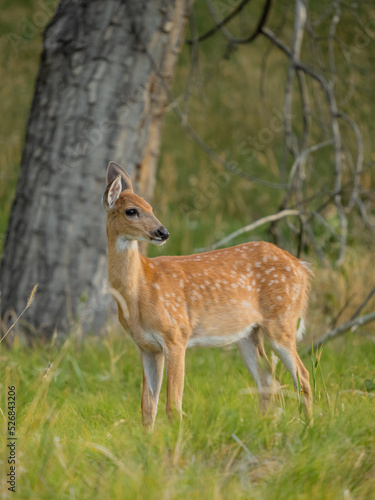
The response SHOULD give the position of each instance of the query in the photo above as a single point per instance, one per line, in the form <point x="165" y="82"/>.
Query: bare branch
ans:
<point x="344" y="327"/>
<point x="302" y="157"/>
<point x="216" y="16"/>
<point x="222" y="23"/>
<point x="359" y="161"/>
<point x="331" y="41"/>
<point x="364" y="215"/>
<point x="364" y="303"/>
<point x="259" y="27"/>
<point x="326" y="225"/>
<point x="336" y="136"/>
<point x="306" y="108"/>
<point x="299" y="25"/>
<point x="232" y="167"/>
<point x="251" y="227"/>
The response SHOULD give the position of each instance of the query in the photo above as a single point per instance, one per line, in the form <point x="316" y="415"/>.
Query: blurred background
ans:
<point x="223" y="113"/>
<point x="246" y="134"/>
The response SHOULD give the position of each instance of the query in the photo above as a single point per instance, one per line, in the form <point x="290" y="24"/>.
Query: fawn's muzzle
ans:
<point x="161" y="234"/>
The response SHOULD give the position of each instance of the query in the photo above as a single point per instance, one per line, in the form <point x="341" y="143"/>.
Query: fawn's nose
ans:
<point x="162" y="233"/>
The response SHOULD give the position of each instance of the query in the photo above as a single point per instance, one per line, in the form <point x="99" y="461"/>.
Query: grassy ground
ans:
<point x="79" y="432"/>
<point x="78" y="421"/>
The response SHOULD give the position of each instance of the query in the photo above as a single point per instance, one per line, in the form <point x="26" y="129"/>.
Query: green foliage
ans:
<point x="79" y="427"/>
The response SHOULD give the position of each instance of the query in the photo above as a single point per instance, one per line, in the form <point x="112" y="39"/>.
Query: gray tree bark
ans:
<point x="100" y="96"/>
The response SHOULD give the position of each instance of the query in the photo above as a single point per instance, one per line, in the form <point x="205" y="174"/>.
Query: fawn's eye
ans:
<point x="131" y="212"/>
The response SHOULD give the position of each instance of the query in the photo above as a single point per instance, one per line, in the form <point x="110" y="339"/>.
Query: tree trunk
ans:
<point x="100" y="96"/>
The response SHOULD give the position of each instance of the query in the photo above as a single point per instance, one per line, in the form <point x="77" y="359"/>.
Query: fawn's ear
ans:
<point x="113" y="171"/>
<point x="114" y="191"/>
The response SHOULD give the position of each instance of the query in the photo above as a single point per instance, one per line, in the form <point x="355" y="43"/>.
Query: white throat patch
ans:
<point x="123" y="244"/>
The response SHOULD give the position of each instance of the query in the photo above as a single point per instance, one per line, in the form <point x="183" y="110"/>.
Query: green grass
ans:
<point x="80" y="436"/>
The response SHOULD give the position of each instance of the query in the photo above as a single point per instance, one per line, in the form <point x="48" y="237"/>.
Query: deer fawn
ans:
<point x="235" y="295"/>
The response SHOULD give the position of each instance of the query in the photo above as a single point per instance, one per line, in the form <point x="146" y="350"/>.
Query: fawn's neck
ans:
<point x="125" y="267"/>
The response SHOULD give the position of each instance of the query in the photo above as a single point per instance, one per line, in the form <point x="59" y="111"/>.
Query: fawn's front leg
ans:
<point x="175" y="359"/>
<point x="153" y="364"/>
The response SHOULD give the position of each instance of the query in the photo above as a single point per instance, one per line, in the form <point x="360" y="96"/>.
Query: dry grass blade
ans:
<point x="251" y="457"/>
<point x="29" y="302"/>
<point x="32" y="297"/>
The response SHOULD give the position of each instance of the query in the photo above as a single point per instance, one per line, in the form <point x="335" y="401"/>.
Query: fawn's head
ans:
<point x="128" y="215"/>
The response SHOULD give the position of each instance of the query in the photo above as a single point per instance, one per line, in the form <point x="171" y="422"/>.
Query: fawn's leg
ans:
<point x="153" y="364"/>
<point x="175" y="360"/>
<point x="286" y="349"/>
<point x="250" y="349"/>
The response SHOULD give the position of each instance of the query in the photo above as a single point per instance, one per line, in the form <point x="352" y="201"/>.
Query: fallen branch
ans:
<point x="251" y="227"/>
<point x="349" y="325"/>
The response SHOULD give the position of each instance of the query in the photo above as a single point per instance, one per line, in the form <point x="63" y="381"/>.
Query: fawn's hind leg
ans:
<point x="251" y="348"/>
<point x="283" y="342"/>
